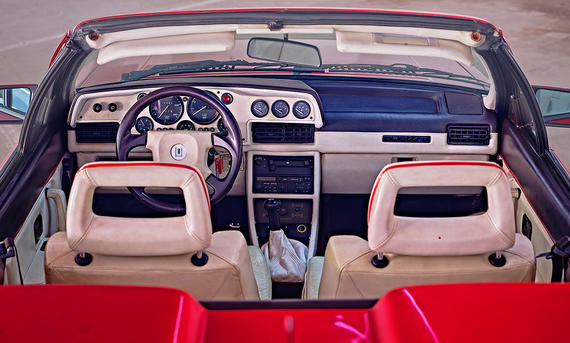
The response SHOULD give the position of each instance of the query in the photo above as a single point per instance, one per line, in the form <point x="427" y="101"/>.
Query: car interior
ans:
<point x="258" y="187"/>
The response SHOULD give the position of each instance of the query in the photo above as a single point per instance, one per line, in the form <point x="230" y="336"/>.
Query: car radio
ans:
<point x="283" y="174"/>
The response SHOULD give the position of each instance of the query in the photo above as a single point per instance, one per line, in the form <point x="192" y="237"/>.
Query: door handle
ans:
<point x="58" y="197"/>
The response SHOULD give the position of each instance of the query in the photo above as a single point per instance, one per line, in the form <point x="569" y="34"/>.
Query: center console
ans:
<point x="292" y="178"/>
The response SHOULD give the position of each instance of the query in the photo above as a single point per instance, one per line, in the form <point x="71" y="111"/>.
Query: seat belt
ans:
<point x="559" y="254"/>
<point x="7" y="250"/>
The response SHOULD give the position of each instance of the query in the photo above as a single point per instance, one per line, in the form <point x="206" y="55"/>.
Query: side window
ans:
<point x="3" y="101"/>
<point x="14" y="103"/>
<point x="555" y="107"/>
<point x="20" y="99"/>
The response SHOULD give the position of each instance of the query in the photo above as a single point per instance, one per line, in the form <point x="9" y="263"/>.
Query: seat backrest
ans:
<point x="165" y="251"/>
<point x="408" y="250"/>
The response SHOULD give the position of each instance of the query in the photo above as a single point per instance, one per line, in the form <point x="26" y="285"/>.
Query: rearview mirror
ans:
<point x="14" y="102"/>
<point x="554" y="104"/>
<point x="284" y="51"/>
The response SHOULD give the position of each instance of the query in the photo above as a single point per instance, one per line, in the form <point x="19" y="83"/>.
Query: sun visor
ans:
<point x="179" y="44"/>
<point x="388" y="44"/>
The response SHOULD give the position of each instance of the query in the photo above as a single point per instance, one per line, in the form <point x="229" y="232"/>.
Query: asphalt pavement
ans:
<point x="538" y="32"/>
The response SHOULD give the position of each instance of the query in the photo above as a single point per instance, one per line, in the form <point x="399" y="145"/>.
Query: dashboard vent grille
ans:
<point x="96" y="133"/>
<point x="468" y="135"/>
<point x="282" y="133"/>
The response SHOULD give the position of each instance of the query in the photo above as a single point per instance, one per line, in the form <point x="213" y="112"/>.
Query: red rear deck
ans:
<point x="444" y="313"/>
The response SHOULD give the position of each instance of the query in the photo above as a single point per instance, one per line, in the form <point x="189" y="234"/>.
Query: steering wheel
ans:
<point x="185" y="147"/>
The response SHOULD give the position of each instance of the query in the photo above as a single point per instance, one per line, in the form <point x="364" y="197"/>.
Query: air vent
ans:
<point x="468" y="135"/>
<point x="96" y="133"/>
<point x="282" y="133"/>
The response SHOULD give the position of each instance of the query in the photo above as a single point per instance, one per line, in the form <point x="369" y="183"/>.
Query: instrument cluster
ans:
<point x="248" y="104"/>
<point x="187" y="113"/>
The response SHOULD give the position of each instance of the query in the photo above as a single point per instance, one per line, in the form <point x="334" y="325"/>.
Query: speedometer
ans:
<point x="167" y="111"/>
<point x="201" y="113"/>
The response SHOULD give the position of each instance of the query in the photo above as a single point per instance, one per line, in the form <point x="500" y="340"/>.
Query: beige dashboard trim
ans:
<point x="337" y="142"/>
<point x="315" y="196"/>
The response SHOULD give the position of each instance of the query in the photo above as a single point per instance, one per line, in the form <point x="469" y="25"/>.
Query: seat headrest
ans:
<point x="491" y="231"/>
<point x="118" y="236"/>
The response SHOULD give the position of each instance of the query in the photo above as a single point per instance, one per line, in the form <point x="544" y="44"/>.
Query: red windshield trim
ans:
<point x="369" y="10"/>
<point x="64" y="40"/>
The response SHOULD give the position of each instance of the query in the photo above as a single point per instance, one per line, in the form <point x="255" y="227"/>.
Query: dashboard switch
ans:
<point x="227" y="98"/>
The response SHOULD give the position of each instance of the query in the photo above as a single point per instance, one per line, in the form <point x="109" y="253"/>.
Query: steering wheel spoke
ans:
<point x="190" y="148"/>
<point x="130" y="142"/>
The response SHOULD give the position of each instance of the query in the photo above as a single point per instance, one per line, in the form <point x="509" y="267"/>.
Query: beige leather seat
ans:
<point x="426" y="250"/>
<point x="152" y="251"/>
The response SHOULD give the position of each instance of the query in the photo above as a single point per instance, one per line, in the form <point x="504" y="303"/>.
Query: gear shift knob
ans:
<point x="272" y="207"/>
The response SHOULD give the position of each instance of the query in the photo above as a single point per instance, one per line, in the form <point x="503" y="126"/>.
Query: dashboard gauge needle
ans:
<point x="161" y="113"/>
<point x="200" y="110"/>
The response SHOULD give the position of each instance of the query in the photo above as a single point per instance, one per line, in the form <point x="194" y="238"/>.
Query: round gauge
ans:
<point x="201" y="113"/>
<point x="143" y="124"/>
<point x="301" y="109"/>
<point x="167" y="111"/>
<point x="259" y="108"/>
<point x="280" y="108"/>
<point x="185" y="125"/>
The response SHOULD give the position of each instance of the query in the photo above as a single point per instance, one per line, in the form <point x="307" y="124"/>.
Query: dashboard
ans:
<point x="248" y="105"/>
<point x="356" y="127"/>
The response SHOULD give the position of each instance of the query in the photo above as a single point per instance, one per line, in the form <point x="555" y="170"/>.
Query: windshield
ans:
<point x="334" y="62"/>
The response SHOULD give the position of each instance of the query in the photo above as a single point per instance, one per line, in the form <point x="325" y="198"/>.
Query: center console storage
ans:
<point x="295" y="216"/>
<point x="292" y="178"/>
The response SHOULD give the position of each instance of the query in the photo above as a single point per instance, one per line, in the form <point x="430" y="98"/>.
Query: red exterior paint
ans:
<point x="299" y="325"/>
<point x="8" y="156"/>
<point x="5" y="118"/>
<point x="502" y="312"/>
<point x="99" y="314"/>
<point x="425" y="164"/>
<point x="561" y="121"/>
<point x="260" y="72"/>
<point x="148" y="164"/>
<point x="560" y="161"/>
<point x="64" y="40"/>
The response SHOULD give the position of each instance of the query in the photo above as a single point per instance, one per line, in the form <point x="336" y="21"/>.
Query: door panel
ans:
<point x="41" y="222"/>
<point x="540" y="238"/>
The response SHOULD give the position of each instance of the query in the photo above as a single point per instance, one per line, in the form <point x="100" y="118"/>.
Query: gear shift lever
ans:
<point x="286" y="258"/>
<point x="272" y="207"/>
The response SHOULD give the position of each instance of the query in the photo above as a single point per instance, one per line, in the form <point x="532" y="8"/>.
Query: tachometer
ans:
<point x="167" y="111"/>
<point x="201" y="113"/>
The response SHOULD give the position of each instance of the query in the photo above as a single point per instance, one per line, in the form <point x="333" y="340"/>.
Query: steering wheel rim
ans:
<point x="232" y="142"/>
